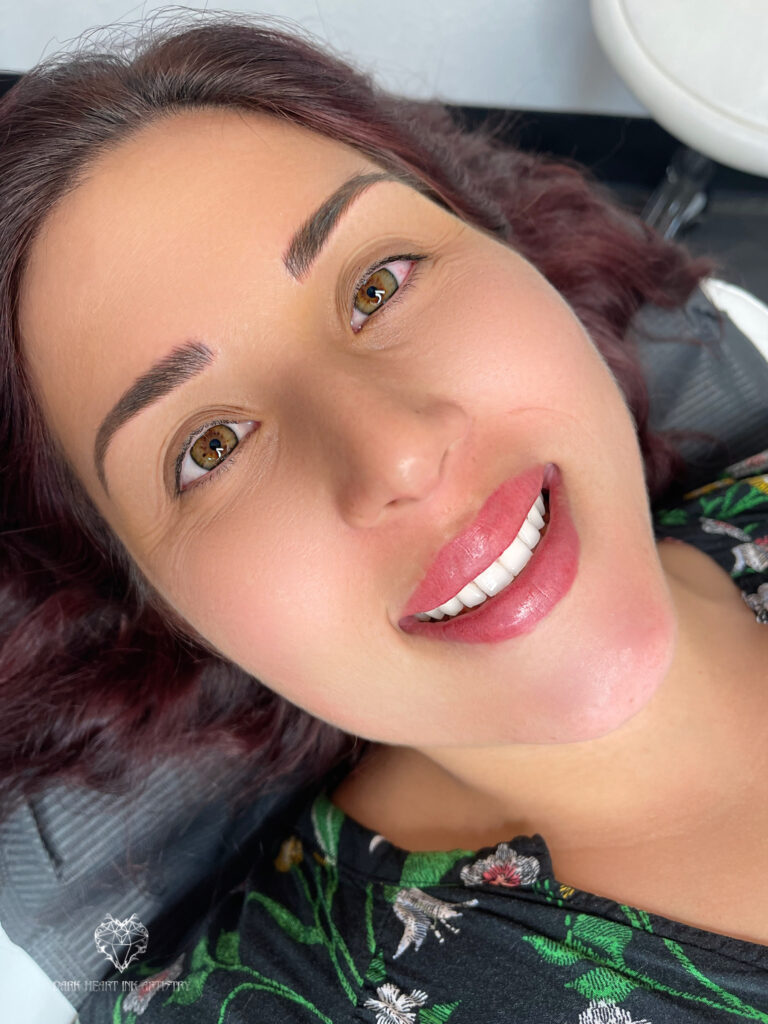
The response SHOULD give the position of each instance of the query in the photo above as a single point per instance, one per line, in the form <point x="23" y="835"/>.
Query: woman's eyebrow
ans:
<point x="183" y="363"/>
<point x="306" y="244"/>
<point x="186" y="361"/>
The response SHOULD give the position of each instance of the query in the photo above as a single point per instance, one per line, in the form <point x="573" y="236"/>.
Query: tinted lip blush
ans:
<point x="531" y="595"/>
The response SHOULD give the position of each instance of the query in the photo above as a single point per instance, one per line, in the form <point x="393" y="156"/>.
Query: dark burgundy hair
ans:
<point x="97" y="674"/>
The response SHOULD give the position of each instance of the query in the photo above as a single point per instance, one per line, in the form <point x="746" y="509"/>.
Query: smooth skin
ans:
<point x="627" y="724"/>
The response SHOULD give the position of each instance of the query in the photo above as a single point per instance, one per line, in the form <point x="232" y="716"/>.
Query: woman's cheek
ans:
<point x="263" y="608"/>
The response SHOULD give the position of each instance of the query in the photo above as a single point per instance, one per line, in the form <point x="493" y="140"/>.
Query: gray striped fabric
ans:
<point x="70" y="857"/>
<point x="719" y="387"/>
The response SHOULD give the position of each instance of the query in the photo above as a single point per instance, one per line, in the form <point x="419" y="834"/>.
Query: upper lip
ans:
<point x="481" y="543"/>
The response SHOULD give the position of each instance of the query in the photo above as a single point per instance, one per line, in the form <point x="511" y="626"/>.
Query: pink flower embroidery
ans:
<point x="505" y="866"/>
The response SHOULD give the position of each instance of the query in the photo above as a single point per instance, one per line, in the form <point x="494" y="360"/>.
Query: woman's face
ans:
<point x="359" y="447"/>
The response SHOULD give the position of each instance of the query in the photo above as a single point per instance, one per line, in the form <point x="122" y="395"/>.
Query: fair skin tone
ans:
<point x="627" y="712"/>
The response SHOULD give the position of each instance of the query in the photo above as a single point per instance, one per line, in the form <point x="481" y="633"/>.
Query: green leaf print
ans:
<point x="190" y="991"/>
<point x="437" y="1014"/>
<point x="608" y="935"/>
<point x="427" y="868"/>
<point x="201" y="959"/>
<point x="671" y="516"/>
<point x="603" y="983"/>
<point x="228" y="948"/>
<point x="554" y="952"/>
<point x="327" y="819"/>
<point x="324" y="931"/>
<point x="376" y="970"/>
<point x="201" y="965"/>
<point x="602" y="945"/>
<point x="227" y="959"/>
<point x="117" y="1013"/>
<point x="739" y="497"/>
<point x="370" y="937"/>
<point x="290" y="924"/>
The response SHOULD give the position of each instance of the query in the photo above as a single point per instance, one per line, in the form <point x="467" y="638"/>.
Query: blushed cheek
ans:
<point x="622" y="645"/>
<point x="274" y="624"/>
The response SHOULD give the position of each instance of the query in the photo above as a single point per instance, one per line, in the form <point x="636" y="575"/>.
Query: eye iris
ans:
<point x="377" y="288"/>
<point x="213" y="445"/>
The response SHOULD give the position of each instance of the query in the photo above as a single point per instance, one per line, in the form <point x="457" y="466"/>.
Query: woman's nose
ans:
<point x="385" y="448"/>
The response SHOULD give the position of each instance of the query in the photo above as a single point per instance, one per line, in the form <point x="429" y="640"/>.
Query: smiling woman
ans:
<point x="324" y="447"/>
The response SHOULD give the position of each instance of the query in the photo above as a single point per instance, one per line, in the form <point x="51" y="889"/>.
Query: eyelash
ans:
<point x="227" y="464"/>
<point x="411" y="257"/>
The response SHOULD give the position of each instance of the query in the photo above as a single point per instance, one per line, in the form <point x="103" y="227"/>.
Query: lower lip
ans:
<point x="530" y="597"/>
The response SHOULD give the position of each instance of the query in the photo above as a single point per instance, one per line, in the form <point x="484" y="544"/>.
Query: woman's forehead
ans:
<point x="183" y="171"/>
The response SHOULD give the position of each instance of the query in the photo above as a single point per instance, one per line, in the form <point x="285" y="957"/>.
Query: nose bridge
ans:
<point x="379" y="441"/>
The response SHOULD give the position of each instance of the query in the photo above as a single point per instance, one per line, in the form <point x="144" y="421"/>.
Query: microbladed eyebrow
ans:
<point x="306" y="244"/>
<point x="180" y="365"/>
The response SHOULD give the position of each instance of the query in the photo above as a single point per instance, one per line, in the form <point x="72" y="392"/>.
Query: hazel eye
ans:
<point x="377" y="288"/>
<point x="211" y="448"/>
<point x="213" y="445"/>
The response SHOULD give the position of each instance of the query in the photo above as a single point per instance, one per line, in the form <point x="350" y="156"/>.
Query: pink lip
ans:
<point x="531" y="596"/>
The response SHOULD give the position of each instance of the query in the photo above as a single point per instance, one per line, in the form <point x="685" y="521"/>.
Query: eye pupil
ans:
<point x="383" y="285"/>
<point x="212" y="445"/>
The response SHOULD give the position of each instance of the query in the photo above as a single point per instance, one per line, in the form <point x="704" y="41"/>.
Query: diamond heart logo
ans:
<point x="121" y="942"/>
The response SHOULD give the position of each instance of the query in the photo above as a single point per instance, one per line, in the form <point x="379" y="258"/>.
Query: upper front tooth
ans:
<point x="471" y="595"/>
<point x="493" y="579"/>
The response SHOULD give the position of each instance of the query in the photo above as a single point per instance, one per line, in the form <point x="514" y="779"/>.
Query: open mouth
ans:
<point x="495" y="580"/>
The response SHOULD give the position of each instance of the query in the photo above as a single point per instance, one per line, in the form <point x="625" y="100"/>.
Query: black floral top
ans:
<point x="335" y="924"/>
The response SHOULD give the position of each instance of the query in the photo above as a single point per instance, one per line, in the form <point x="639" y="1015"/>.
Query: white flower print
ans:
<point x="604" y="1012"/>
<point x="394" y="1006"/>
<point x="751" y="553"/>
<point x="420" y="912"/>
<point x="758" y="602"/>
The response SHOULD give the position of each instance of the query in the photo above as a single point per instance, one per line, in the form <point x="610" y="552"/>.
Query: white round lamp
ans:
<point x="700" y="67"/>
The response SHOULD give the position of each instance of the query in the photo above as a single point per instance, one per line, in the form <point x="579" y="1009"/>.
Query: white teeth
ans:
<point x="516" y="557"/>
<point x="529" y="533"/>
<point x="500" y="573"/>
<point x="452" y="607"/>
<point x="536" y="517"/>
<point x="493" y="579"/>
<point x="471" y="595"/>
